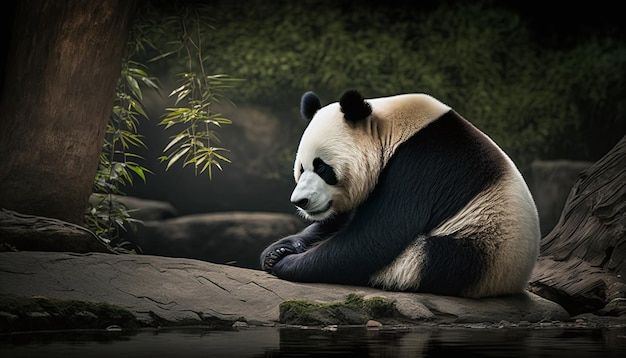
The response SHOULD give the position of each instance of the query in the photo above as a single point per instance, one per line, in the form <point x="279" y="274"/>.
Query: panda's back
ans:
<point x="444" y="166"/>
<point x="476" y="225"/>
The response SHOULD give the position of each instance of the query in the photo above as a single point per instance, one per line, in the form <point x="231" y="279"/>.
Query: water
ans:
<point x="345" y="342"/>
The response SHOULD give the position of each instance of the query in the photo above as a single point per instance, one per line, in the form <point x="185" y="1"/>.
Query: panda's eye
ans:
<point x="325" y="171"/>
<point x="319" y="165"/>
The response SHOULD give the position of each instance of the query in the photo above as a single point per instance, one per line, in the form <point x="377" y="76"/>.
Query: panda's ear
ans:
<point x="309" y="105"/>
<point x="354" y="107"/>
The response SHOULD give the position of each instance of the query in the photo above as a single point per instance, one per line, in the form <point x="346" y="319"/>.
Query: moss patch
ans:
<point x="19" y="313"/>
<point x="354" y="310"/>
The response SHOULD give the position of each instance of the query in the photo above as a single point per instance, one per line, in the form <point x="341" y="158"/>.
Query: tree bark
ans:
<point x="58" y="90"/>
<point x="583" y="258"/>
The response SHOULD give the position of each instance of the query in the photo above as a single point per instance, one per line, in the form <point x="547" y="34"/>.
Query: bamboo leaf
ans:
<point x="139" y="170"/>
<point x="182" y="95"/>
<point x="162" y="56"/>
<point x="134" y="86"/>
<point x="138" y="71"/>
<point x="177" y="90"/>
<point x="176" y="156"/>
<point x="150" y="83"/>
<point x="173" y="142"/>
<point x="219" y="156"/>
<point x="139" y="108"/>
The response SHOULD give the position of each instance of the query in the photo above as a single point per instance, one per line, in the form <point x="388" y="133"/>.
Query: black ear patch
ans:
<point x="354" y="107"/>
<point x="309" y="105"/>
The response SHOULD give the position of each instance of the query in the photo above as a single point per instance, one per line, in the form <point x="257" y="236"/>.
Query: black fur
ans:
<point x="309" y="105"/>
<point x="354" y="107"/>
<point x="325" y="171"/>
<point x="453" y="264"/>
<point x="430" y="177"/>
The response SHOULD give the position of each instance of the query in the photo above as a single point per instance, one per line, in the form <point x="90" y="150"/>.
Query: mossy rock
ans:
<point x="355" y="310"/>
<point x="19" y="313"/>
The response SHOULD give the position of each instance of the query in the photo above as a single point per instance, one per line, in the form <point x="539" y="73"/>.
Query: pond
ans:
<point x="343" y="342"/>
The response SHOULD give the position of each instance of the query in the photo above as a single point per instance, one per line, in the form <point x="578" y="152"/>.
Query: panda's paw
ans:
<point x="275" y="255"/>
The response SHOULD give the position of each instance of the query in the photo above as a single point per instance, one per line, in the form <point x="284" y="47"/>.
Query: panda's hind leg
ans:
<point x="445" y="265"/>
<point x="452" y="265"/>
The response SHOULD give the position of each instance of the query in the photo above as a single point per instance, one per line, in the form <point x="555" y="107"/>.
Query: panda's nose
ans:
<point x="302" y="203"/>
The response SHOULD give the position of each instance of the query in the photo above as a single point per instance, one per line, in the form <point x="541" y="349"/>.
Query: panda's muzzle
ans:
<point x="318" y="212"/>
<point x="312" y="196"/>
<point x="302" y="204"/>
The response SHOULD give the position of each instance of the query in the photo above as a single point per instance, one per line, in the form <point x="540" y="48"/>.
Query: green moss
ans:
<point x="354" y="310"/>
<point x="19" y="313"/>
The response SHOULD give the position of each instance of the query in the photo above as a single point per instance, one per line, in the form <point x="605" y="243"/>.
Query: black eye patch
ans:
<point x="325" y="171"/>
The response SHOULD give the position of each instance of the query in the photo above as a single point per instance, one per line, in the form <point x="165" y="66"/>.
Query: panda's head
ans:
<point x="338" y="159"/>
<point x="348" y="143"/>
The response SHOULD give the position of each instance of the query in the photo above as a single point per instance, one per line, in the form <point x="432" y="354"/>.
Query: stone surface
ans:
<point x="583" y="259"/>
<point x="27" y="232"/>
<point x="576" y="285"/>
<point x="142" y="209"/>
<point x="234" y="238"/>
<point x="164" y="291"/>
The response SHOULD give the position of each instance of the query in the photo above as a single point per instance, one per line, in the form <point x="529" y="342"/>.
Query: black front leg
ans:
<point x="300" y="242"/>
<point x="275" y="252"/>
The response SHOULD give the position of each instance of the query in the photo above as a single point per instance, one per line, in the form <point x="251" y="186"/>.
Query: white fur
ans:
<point x="358" y="153"/>
<point x="320" y="195"/>
<point x="505" y="212"/>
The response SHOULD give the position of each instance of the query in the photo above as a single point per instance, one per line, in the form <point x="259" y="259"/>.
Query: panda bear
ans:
<point x="404" y="194"/>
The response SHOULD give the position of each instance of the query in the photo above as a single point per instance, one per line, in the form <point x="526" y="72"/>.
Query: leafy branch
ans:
<point x="106" y="215"/>
<point x="195" y="143"/>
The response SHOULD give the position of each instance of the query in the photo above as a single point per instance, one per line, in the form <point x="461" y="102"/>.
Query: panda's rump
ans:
<point x="487" y="249"/>
<point x="477" y="222"/>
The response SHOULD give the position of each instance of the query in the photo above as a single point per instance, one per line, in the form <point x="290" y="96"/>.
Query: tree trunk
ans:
<point x="62" y="69"/>
<point x="583" y="259"/>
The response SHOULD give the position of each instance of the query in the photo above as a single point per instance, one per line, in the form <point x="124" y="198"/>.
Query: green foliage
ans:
<point x="198" y="91"/>
<point x="478" y="57"/>
<point x="106" y="215"/>
<point x="118" y="165"/>
<point x="194" y="142"/>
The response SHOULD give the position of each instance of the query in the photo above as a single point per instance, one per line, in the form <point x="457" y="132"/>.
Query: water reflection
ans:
<point x="454" y="341"/>
<point x="353" y="342"/>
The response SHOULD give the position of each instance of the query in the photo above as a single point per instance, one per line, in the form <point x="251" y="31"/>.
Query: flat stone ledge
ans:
<point x="162" y="291"/>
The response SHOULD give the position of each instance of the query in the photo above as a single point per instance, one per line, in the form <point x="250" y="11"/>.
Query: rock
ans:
<point x="575" y="284"/>
<point x="372" y="324"/>
<point x="234" y="238"/>
<point x="37" y="233"/>
<point x="583" y="258"/>
<point x="355" y="310"/>
<point x="142" y="209"/>
<point x="162" y="291"/>
<point x="617" y="307"/>
<point x="41" y="313"/>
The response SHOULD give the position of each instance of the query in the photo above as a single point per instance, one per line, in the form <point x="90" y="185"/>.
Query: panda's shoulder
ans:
<point x="418" y="109"/>
<point x="409" y="101"/>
